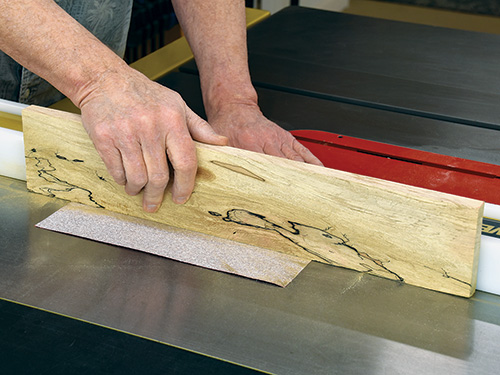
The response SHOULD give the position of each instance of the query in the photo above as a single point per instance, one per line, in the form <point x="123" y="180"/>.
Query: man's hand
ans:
<point x="135" y="124"/>
<point x="246" y="127"/>
<point x="217" y="35"/>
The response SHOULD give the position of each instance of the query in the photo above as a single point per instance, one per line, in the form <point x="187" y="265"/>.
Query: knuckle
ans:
<point x="176" y="96"/>
<point x="158" y="179"/>
<point x="186" y="164"/>
<point x="138" y="179"/>
<point x="175" y="116"/>
<point x="118" y="175"/>
<point x="101" y="134"/>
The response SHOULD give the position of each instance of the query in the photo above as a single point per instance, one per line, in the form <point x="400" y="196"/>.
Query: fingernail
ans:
<point x="180" y="200"/>
<point x="151" y="207"/>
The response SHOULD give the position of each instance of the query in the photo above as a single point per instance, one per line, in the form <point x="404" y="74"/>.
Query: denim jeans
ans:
<point x="108" y="20"/>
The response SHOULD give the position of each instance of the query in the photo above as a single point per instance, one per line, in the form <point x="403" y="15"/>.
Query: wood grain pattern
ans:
<point x="410" y="235"/>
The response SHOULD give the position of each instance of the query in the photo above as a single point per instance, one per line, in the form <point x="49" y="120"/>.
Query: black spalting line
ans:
<point x="100" y="177"/>
<point x="43" y="172"/>
<point x="65" y="158"/>
<point x="447" y="276"/>
<point x="295" y="231"/>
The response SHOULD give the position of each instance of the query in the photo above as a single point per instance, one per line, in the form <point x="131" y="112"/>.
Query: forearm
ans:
<point x="46" y="40"/>
<point x="216" y="31"/>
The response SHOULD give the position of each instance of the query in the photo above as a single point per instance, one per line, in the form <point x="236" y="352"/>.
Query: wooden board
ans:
<point x="407" y="234"/>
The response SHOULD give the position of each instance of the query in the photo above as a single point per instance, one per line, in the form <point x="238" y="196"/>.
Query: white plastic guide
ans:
<point x="488" y="272"/>
<point x="12" y="164"/>
<point x="13" y="108"/>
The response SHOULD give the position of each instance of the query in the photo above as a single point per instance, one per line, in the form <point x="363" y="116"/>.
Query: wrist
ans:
<point x="89" y="81"/>
<point x="228" y="98"/>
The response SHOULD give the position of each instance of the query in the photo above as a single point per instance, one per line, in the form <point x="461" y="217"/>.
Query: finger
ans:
<point x="306" y="154"/>
<point x="291" y="154"/>
<point x="181" y="152"/>
<point x="135" y="168"/>
<point x="155" y="158"/>
<point x="112" y="159"/>
<point x="202" y="131"/>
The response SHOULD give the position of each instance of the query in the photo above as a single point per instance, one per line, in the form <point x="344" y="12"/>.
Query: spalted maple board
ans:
<point x="411" y="235"/>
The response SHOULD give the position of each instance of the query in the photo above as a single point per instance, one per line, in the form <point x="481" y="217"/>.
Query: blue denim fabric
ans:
<point x="108" y="20"/>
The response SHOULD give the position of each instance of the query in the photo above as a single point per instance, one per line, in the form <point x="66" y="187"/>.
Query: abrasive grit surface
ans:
<point x="183" y="245"/>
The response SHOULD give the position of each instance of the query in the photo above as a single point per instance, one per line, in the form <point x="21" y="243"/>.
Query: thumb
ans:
<point x="201" y="130"/>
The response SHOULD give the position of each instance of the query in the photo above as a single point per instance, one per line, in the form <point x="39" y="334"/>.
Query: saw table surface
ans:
<point x="328" y="320"/>
<point x="99" y="306"/>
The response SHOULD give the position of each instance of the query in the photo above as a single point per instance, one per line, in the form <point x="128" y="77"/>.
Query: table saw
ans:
<point x="69" y="303"/>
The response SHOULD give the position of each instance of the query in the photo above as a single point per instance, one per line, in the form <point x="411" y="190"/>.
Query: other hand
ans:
<point x="246" y="127"/>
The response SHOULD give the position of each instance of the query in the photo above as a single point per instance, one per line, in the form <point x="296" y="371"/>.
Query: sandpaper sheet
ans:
<point x="179" y="244"/>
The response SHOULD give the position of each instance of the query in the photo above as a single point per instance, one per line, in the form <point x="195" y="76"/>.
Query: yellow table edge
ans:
<point x="10" y="121"/>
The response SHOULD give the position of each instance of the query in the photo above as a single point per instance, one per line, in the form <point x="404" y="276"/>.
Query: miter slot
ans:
<point x="398" y="158"/>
